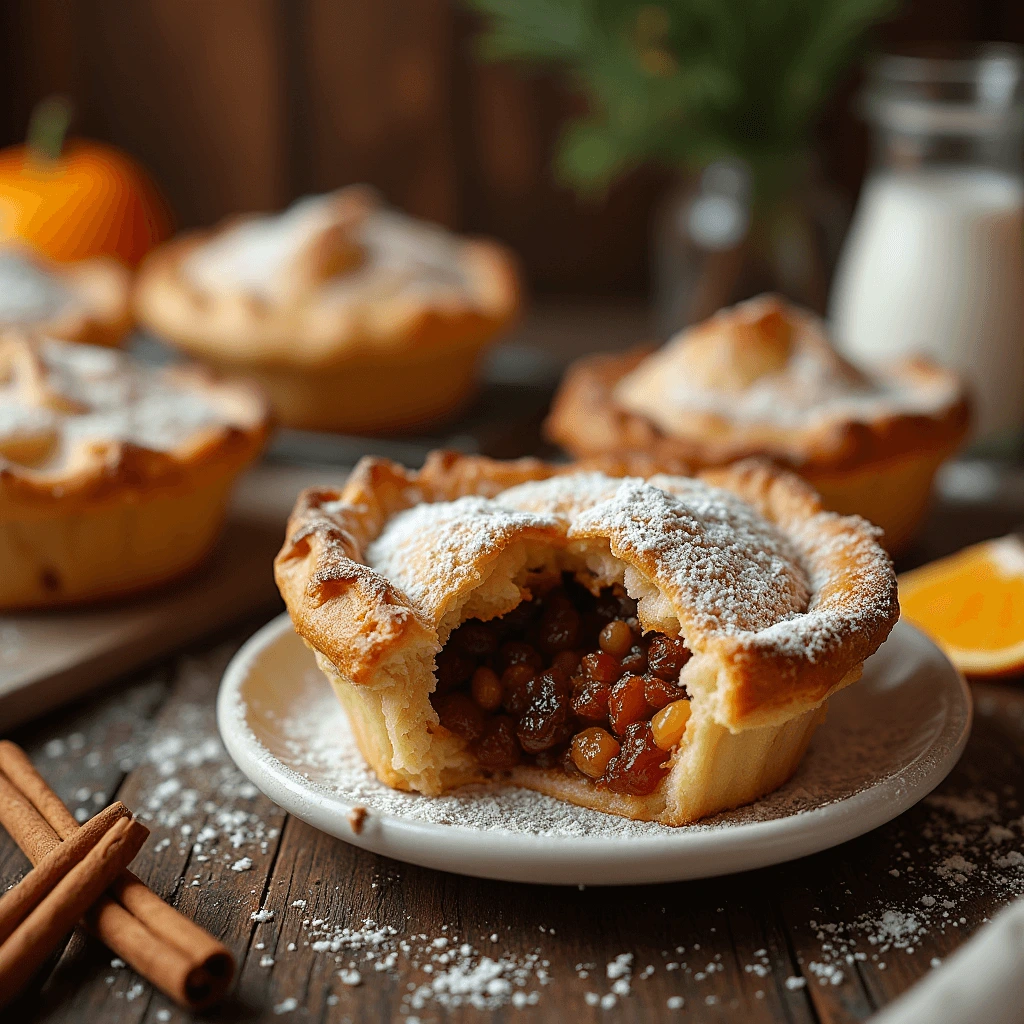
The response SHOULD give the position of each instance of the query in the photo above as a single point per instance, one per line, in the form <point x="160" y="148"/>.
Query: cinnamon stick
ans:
<point x="24" y="823"/>
<point x="17" y="903"/>
<point x="172" y="952"/>
<point x="26" y="949"/>
<point x="129" y="890"/>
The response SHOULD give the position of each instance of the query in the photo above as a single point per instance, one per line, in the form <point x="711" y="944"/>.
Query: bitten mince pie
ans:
<point x="661" y="649"/>
<point x="761" y="379"/>
<point x="87" y="301"/>
<point x="114" y="476"/>
<point x="350" y="315"/>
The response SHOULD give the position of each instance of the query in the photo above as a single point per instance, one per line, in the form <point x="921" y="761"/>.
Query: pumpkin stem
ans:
<point x="48" y="126"/>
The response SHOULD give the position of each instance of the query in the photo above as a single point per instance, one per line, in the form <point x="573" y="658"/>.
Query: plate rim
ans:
<point x="741" y="847"/>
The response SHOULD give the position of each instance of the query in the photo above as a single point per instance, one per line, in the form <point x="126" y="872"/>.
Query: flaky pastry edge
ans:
<point x="586" y="421"/>
<point x="357" y="620"/>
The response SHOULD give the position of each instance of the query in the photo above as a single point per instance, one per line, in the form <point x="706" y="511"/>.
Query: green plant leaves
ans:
<point x="683" y="81"/>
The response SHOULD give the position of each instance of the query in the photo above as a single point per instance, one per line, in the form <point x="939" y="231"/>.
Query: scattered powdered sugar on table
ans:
<point x="915" y="891"/>
<point x="960" y="848"/>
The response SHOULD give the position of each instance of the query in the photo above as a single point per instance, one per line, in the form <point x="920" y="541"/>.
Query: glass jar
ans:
<point x="731" y="232"/>
<point x="934" y="261"/>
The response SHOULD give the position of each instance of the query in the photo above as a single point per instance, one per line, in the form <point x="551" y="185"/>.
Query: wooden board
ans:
<point x="48" y="658"/>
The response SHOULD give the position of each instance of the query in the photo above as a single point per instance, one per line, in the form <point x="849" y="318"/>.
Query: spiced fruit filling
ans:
<point x="569" y="680"/>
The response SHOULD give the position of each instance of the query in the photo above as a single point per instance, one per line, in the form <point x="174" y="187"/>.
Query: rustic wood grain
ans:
<point x="118" y="739"/>
<point x="376" y="80"/>
<point x="242" y="104"/>
<point x="762" y="933"/>
<point x="197" y="91"/>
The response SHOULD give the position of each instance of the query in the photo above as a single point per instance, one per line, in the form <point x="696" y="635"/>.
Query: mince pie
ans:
<point x="114" y="476"/>
<point x="661" y="649"/>
<point x="87" y="301"/>
<point x="761" y="379"/>
<point x="350" y="315"/>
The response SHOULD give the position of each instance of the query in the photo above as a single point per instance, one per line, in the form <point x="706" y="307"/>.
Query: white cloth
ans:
<point x="982" y="983"/>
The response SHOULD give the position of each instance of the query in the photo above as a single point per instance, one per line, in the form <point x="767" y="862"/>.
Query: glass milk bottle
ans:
<point x="934" y="261"/>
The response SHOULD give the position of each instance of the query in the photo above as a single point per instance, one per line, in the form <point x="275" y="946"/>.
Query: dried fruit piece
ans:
<point x="666" y="657"/>
<point x="590" y="699"/>
<point x="559" y="624"/>
<point x="635" y="660"/>
<point x="592" y="749"/>
<point x="566" y="662"/>
<point x="639" y="766"/>
<point x="547" y="721"/>
<point x="601" y="667"/>
<point x="659" y="692"/>
<point x="487" y="689"/>
<point x="669" y="724"/>
<point x="476" y="638"/>
<point x="616" y="638"/>
<point x="454" y="667"/>
<point x="515" y="652"/>
<point x="498" y="748"/>
<point x="627" y="704"/>
<point x="460" y="714"/>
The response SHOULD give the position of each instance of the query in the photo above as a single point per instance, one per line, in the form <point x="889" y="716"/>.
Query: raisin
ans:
<point x="627" y="704"/>
<point x="515" y="652"/>
<point x="475" y="638"/>
<point x="639" y="766"/>
<point x="498" y="749"/>
<point x="616" y="638"/>
<point x="592" y="750"/>
<point x="519" y="618"/>
<point x="635" y="661"/>
<point x="659" y="693"/>
<point x="601" y="667"/>
<point x="547" y="721"/>
<point x="590" y="699"/>
<point x="666" y="657"/>
<point x="566" y="662"/>
<point x="514" y="681"/>
<point x="454" y="667"/>
<point x="487" y="689"/>
<point x="461" y="715"/>
<point x="559" y="625"/>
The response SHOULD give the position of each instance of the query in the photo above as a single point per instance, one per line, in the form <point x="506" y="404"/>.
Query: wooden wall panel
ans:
<point x="197" y="90"/>
<point x="244" y="104"/>
<point x="512" y="123"/>
<point x="375" y="85"/>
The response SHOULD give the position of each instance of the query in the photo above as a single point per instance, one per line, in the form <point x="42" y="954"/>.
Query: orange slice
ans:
<point x="972" y="605"/>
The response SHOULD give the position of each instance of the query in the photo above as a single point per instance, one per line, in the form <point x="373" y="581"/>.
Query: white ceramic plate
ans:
<point x="887" y="742"/>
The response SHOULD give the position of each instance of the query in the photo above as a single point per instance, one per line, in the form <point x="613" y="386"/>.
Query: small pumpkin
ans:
<point x="80" y="200"/>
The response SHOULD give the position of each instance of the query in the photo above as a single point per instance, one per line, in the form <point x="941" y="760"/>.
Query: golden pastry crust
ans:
<point x="587" y="419"/>
<point x="112" y="477"/>
<point x="97" y="305"/>
<point x="885" y="445"/>
<point x="363" y="292"/>
<point x="792" y="599"/>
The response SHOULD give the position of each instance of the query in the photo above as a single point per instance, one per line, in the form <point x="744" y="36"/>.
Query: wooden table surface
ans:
<point x="828" y="938"/>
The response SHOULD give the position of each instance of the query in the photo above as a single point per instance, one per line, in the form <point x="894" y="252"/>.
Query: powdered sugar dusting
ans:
<point x="458" y="535"/>
<point x="713" y="553"/>
<point x="735" y="570"/>
<point x="803" y="384"/>
<point x="83" y="394"/>
<point x="400" y="255"/>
